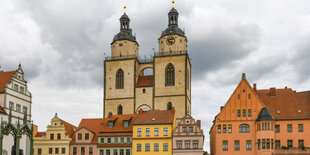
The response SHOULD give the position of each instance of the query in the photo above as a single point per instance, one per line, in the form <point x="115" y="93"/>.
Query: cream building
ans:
<point x="127" y="87"/>
<point x="14" y="95"/>
<point x="56" y="139"/>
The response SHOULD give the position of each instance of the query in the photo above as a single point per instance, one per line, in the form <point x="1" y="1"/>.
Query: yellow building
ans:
<point x="55" y="140"/>
<point x="157" y="83"/>
<point x="152" y="132"/>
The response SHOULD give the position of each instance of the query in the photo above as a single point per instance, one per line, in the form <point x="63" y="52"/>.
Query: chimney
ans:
<point x="222" y="107"/>
<point x="243" y="76"/>
<point x="254" y="87"/>
<point x="272" y="92"/>
<point x="199" y="123"/>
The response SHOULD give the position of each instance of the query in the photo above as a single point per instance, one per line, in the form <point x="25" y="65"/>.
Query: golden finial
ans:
<point x="173" y="3"/>
<point x="125" y="8"/>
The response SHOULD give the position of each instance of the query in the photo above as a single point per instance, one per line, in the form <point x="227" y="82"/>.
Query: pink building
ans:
<point x="188" y="137"/>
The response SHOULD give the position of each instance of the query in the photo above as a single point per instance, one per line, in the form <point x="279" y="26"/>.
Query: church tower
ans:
<point x="127" y="87"/>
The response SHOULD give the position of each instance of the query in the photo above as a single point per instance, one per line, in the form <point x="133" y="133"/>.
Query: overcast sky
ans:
<point x="62" y="44"/>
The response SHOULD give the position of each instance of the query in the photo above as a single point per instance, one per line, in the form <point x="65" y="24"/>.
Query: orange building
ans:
<point x="262" y="122"/>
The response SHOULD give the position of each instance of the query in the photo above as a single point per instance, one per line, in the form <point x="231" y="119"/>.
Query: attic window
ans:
<point x="125" y="123"/>
<point x="111" y="124"/>
<point x="278" y="112"/>
<point x="299" y="111"/>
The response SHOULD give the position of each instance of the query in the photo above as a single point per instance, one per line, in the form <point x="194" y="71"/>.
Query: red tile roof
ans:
<point x="70" y="129"/>
<point x="286" y="103"/>
<point x="5" y="78"/>
<point x="118" y="128"/>
<point x="93" y="125"/>
<point x="155" y="117"/>
<point x="40" y="134"/>
<point x="145" y="81"/>
<point x="2" y="110"/>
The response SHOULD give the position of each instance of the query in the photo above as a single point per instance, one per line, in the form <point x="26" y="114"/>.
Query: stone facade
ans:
<point x="188" y="137"/>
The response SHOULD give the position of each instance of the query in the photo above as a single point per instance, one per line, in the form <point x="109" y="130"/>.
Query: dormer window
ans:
<point x="111" y="124"/>
<point x="126" y="123"/>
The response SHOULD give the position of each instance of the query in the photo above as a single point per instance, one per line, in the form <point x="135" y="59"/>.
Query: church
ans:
<point x="127" y="87"/>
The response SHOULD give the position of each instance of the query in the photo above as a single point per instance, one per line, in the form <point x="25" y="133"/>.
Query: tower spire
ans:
<point x="173" y="3"/>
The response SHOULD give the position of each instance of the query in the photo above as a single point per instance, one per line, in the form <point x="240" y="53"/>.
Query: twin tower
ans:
<point x="127" y="86"/>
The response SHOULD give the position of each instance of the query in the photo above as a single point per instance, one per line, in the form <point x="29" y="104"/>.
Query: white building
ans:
<point x="14" y="95"/>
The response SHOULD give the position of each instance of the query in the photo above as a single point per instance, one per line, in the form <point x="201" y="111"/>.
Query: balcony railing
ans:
<point x="170" y="53"/>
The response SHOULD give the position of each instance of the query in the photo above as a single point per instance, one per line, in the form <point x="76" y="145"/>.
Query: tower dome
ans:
<point x="173" y="28"/>
<point x="125" y="30"/>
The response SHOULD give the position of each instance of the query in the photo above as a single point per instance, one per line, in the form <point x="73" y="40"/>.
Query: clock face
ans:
<point x="170" y="40"/>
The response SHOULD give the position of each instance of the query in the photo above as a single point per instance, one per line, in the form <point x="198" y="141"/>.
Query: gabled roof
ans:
<point x="5" y="78"/>
<point x="92" y="125"/>
<point x="155" y="117"/>
<point x="264" y="115"/>
<point x="286" y="103"/>
<point x="2" y="110"/>
<point x="70" y="129"/>
<point x="145" y="81"/>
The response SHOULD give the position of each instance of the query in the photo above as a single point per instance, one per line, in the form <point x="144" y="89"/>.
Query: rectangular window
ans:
<point x="268" y="143"/>
<point x="116" y="140"/>
<point x="195" y="144"/>
<point x="115" y="152"/>
<point x="90" y="150"/>
<point x="11" y="105"/>
<point x="18" y="107"/>
<point x="258" y="144"/>
<point x="300" y="128"/>
<point x="50" y="150"/>
<point x="126" y="123"/>
<point x="75" y="150"/>
<point x="165" y="131"/>
<point x="15" y="87"/>
<point x="238" y="96"/>
<point x="248" y="145"/>
<point x="108" y="152"/>
<point x="301" y="143"/>
<point x="229" y="128"/>
<point x="58" y="136"/>
<point x="290" y="143"/>
<point x="86" y="136"/>
<point x="225" y="145"/>
<point x="128" y="139"/>
<point x="101" y="140"/>
<point x="82" y="150"/>
<point x="127" y="151"/>
<point x="179" y="144"/>
<point x="63" y="150"/>
<point x="237" y="145"/>
<point x="263" y="144"/>
<point x="56" y="150"/>
<point x="51" y="136"/>
<point x="121" y="152"/>
<point x="187" y="144"/>
<point x="79" y="136"/>
<point x="191" y="129"/>
<point x="165" y="147"/>
<point x="110" y="124"/>
<point x="224" y="128"/>
<point x="147" y="132"/>
<point x="122" y="140"/>
<point x="39" y="151"/>
<point x="278" y="144"/>
<point x="243" y="112"/>
<point x="272" y="144"/>
<point x="277" y="128"/>
<point x="101" y="152"/>
<point x="289" y="128"/>
<point x="249" y="112"/>
<point x="156" y="132"/>
<point x="219" y="129"/>
<point x="109" y="140"/>
<point x="22" y="90"/>
<point x="24" y="109"/>
<point x="238" y="113"/>
<point x="139" y="132"/>
<point x="139" y="146"/>
<point x="147" y="147"/>
<point x="156" y="147"/>
<point x="184" y="129"/>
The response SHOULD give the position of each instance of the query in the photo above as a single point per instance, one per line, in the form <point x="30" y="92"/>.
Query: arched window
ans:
<point x="243" y="128"/>
<point x="169" y="106"/>
<point x="170" y="75"/>
<point x="120" y="110"/>
<point x="119" y="79"/>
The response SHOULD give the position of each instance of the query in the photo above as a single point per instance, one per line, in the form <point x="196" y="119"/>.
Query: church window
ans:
<point x="170" y="75"/>
<point x="120" y="110"/>
<point x="169" y="106"/>
<point x="119" y="79"/>
<point x="243" y="128"/>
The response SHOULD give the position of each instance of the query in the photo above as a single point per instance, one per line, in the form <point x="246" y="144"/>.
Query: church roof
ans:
<point x="173" y="29"/>
<point x="5" y="78"/>
<point x="145" y="81"/>
<point x="124" y="35"/>
<point x="124" y="16"/>
<point x="264" y="115"/>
